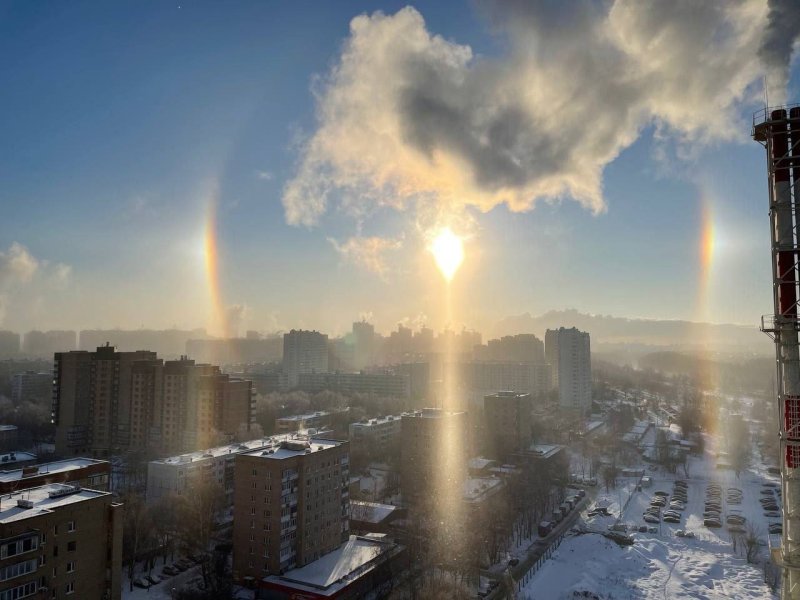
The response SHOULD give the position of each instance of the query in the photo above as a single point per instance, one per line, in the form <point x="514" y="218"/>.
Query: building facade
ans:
<point x="59" y="541"/>
<point x="508" y="420"/>
<point x="85" y="472"/>
<point x="379" y="384"/>
<point x="569" y="353"/>
<point x="291" y="506"/>
<point x="107" y="402"/>
<point x="376" y="434"/>
<point x="31" y="386"/>
<point x="423" y="436"/>
<point x="304" y="352"/>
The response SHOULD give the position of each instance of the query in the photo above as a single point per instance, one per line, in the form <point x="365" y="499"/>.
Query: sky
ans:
<point x="269" y="165"/>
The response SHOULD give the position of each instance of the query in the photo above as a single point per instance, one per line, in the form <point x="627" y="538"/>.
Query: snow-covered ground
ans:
<point x="660" y="565"/>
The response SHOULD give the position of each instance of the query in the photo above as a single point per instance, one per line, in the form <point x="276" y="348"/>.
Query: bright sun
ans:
<point x="448" y="251"/>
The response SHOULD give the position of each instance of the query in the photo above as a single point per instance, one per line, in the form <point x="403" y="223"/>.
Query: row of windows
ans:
<point x="18" y="569"/>
<point x="21" y="591"/>
<point x="19" y="546"/>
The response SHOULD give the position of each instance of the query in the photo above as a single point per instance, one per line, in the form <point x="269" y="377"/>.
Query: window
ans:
<point x="69" y="588"/>
<point x="18" y="569"/>
<point x="70" y="526"/>
<point x="19" y="546"/>
<point x="71" y="546"/>
<point x="22" y="591"/>
<point x="71" y="567"/>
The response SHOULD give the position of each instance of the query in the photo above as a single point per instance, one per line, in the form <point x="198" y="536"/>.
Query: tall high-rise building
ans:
<point x="508" y="423"/>
<point x="106" y="402"/>
<point x="31" y="386"/>
<point x="9" y="344"/>
<point x="304" y="352"/>
<point x="569" y="353"/>
<point x="524" y="348"/>
<point x="363" y="344"/>
<point x="291" y="505"/>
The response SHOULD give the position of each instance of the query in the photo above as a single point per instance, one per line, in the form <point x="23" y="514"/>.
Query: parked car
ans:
<point x="142" y="583"/>
<point x="772" y="514"/>
<point x="153" y="578"/>
<point x="170" y="570"/>
<point x="684" y="534"/>
<point x="710" y="522"/>
<point x="651" y="518"/>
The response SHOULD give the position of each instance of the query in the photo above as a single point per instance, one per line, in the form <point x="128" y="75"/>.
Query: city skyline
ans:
<point x="184" y="215"/>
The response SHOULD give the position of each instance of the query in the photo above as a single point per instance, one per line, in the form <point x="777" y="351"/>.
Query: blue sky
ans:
<point x="118" y="119"/>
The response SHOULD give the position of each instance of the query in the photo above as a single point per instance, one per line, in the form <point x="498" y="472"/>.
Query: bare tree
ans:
<point x="136" y="531"/>
<point x="197" y="515"/>
<point x="752" y="536"/>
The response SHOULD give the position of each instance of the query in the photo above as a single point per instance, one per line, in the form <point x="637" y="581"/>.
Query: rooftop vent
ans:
<point x="65" y="491"/>
<point x="23" y="503"/>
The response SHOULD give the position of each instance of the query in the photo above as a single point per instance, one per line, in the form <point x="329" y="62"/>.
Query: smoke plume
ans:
<point x="782" y="31"/>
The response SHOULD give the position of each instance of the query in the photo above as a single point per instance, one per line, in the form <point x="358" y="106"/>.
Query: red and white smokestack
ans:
<point x="784" y="229"/>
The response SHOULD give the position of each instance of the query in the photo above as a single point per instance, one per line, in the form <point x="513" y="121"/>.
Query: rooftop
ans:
<point x="433" y="413"/>
<point x="378" y="421"/>
<point x="314" y="415"/>
<point x="370" y="512"/>
<point x="41" y="500"/>
<point x="58" y="466"/>
<point x="544" y="450"/>
<point x="477" y="489"/>
<point x="14" y="457"/>
<point x="334" y="571"/>
<point x="294" y="447"/>
<point x="237" y="448"/>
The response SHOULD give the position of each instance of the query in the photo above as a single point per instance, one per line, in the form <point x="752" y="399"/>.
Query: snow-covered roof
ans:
<point x="35" y="501"/>
<point x="58" y="466"/>
<point x="333" y="571"/>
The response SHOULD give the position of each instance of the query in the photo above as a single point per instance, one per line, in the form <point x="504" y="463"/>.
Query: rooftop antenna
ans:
<point x="766" y="93"/>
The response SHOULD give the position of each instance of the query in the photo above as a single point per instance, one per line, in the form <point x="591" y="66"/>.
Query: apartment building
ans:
<point x="507" y="421"/>
<point x="423" y="437"/>
<point x="291" y="506"/>
<point x="478" y="379"/>
<point x="569" y="353"/>
<point x="107" y="402"/>
<point x="378" y="434"/>
<point x="85" y="472"/>
<point x="304" y="352"/>
<point x="316" y="420"/>
<point x="31" y="386"/>
<point x="60" y="541"/>
<point x="379" y="384"/>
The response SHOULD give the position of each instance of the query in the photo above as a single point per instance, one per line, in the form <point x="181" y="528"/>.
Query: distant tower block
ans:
<point x="778" y="130"/>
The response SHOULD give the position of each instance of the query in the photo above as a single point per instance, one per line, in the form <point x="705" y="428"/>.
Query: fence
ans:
<point x="529" y="574"/>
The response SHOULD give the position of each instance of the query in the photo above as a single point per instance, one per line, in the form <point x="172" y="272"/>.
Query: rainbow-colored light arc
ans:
<point x="217" y="322"/>
<point x="706" y="255"/>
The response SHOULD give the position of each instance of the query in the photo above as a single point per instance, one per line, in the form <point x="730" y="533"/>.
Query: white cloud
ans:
<point x="410" y="120"/>
<point x="17" y="266"/>
<point x="367" y="252"/>
<point x="25" y="281"/>
<point x="265" y="175"/>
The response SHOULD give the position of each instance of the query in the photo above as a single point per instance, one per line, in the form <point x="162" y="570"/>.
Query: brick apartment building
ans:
<point x="59" y="541"/>
<point x="291" y="505"/>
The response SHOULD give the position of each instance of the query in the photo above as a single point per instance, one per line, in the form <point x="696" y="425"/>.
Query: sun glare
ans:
<point x="448" y="251"/>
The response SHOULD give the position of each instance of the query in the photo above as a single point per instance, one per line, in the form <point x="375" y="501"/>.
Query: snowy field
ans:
<point x="660" y="565"/>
